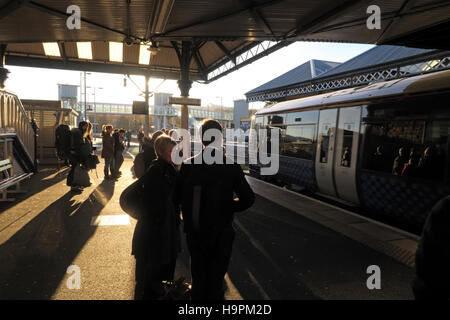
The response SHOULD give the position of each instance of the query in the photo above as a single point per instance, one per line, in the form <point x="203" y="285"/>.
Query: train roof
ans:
<point x="435" y="81"/>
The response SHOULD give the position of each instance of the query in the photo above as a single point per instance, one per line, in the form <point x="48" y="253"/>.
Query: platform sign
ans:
<point x="140" y="107"/>
<point x="185" y="101"/>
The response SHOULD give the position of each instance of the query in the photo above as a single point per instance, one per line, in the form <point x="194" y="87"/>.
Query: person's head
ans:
<point x="107" y="128"/>
<point x="163" y="147"/>
<point x="206" y="125"/>
<point x="147" y="143"/>
<point x="401" y="151"/>
<point x="156" y="134"/>
<point x="83" y="126"/>
<point x="121" y="132"/>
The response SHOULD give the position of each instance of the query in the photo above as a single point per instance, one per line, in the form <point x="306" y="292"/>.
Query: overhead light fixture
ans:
<point x="161" y="13"/>
<point x="51" y="49"/>
<point x="84" y="50"/>
<point x="144" y="54"/>
<point x="116" y="51"/>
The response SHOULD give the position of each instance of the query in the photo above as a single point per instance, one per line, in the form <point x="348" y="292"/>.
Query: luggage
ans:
<point x="131" y="199"/>
<point x="81" y="177"/>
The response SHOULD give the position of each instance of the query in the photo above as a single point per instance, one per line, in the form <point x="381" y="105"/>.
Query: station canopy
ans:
<point x="214" y="38"/>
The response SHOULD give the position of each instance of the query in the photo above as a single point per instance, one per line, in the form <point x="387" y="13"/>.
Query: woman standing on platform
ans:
<point x="108" y="151"/>
<point x="156" y="239"/>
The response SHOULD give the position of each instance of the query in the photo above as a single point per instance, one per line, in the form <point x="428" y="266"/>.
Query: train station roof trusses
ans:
<point x="222" y="36"/>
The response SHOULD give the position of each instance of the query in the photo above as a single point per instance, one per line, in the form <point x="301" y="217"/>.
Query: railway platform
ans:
<point x="287" y="246"/>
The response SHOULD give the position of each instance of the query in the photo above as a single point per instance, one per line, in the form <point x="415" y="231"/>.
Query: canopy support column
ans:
<point x="184" y="83"/>
<point x="3" y="71"/>
<point x="147" y="98"/>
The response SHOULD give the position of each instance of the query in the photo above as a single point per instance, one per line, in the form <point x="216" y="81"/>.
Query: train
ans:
<point x="382" y="147"/>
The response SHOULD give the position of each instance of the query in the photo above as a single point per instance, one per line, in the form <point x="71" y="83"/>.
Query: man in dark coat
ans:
<point x="119" y="147"/>
<point x="156" y="239"/>
<point x="432" y="280"/>
<point x="206" y="195"/>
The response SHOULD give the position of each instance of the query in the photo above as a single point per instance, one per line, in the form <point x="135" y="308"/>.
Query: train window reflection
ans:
<point x="298" y="141"/>
<point x="347" y="142"/>
<point x="415" y="148"/>
<point x="325" y="133"/>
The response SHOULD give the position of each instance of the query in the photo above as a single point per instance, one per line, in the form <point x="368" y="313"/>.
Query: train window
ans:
<point x="298" y="141"/>
<point x="276" y="119"/>
<point x="302" y="117"/>
<point x="325" y="132"/>
<point x="415" y="148"/>
<point x="347" y="142"/>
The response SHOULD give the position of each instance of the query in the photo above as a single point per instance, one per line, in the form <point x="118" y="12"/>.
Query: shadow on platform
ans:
<point x="45" y="178"/>
<point x="36" y="258"/>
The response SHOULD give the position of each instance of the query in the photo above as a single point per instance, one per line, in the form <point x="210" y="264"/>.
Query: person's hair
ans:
<point x="82" y="124"/>
<point x="146" y="142"/>
<point x="156" y="134"/>
<point x="105" y="128"/>
<point x="162" y="143"/>
<point x="122" y="131"/>
<point x="209" y="124"/>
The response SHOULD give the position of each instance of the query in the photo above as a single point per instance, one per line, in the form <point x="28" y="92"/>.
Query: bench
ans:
<point x="8" y="180"/>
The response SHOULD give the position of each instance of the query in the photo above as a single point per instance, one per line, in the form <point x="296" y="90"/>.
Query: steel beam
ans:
<point x="226" y="51"/>
<point x="172" y="74"/>
<point x="266" y="52"/>
<point x="10" y="7"/>
<point x="305" y="27"/>
<point x="258" y="17"/>
<point x="218" y="18"/>
<point x="406" y="6"/>
<point x="55" y="12"/>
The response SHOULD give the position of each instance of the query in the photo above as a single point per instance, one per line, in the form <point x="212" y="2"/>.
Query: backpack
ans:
<point x="63" y="141"/>
<point x="139" y="165"/>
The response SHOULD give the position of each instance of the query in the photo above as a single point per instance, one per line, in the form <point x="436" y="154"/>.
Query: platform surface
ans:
<point x="286" y="246"/>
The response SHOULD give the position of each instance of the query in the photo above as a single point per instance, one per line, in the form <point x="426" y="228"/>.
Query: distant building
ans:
<point x="240" y="111"/>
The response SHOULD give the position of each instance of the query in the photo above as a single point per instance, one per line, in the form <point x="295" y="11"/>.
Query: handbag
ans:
<point x="81" y="177"/>
<point x="131" y="199"/>
<point x="92" y="161"/>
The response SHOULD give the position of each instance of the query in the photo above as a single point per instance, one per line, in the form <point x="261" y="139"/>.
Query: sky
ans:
<point x="36" y="83"/>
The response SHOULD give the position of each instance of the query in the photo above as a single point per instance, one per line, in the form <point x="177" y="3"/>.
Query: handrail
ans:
<point x="13" y="117"/>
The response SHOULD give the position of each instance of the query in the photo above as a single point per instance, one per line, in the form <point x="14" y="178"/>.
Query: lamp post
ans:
<point x="85" y="94"/>
<point x="95" y="105"/>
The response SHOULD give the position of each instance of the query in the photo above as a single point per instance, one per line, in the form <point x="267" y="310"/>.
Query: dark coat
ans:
<point x="118" y="144"/>
<point x="229" y="179"/>
<point x="433" y="255"/>
<point x="143" y="160"/>
<point x="108" y="146"/>
<point x="81" y="147"/>
<point x="156" y="233"/>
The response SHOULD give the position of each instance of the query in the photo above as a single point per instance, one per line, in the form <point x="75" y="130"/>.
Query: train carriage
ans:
<point x="383" y="147"/>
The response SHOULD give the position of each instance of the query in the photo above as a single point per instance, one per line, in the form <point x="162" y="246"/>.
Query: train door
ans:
<point x="325" y="152"/>
<point x="346" y="153"/>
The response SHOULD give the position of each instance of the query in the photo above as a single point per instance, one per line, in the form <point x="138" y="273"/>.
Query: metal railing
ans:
<point x="14" y="120"/>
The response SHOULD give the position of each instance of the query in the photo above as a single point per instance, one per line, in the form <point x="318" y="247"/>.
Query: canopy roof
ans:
<point x="435" y="82"/>
<point x="225" y="35"/>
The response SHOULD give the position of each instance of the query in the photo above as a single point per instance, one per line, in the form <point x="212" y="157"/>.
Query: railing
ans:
<point x="13" y="119"/>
